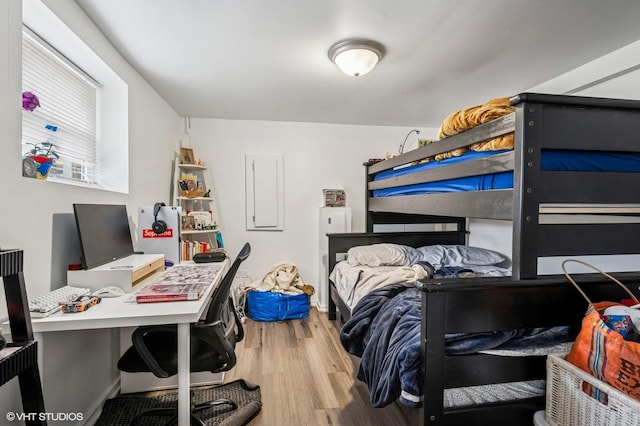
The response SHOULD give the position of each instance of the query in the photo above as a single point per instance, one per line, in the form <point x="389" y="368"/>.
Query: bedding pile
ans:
<point x="384" y="331"/>
<point x="370" y="267"/>
<point x="385" y="323"/>
<point x="467" y="118"/>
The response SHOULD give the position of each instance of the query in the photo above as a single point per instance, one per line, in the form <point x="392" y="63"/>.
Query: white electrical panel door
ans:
<point x="264" y="192"/>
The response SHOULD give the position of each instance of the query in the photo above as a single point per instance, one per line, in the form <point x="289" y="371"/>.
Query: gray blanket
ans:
<point x="384" y="331"/>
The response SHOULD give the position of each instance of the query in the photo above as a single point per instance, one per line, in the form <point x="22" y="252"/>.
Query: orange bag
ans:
<point x="603" y="352"/>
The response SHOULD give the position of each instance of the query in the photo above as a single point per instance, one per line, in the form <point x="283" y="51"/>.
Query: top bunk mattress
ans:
<point x="551" y="160"/>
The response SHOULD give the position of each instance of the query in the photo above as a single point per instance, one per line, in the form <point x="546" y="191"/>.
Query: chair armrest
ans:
<point x="143" y="350"/>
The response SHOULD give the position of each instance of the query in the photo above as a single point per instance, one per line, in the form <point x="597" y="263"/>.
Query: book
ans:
<point x="169" y="292"/>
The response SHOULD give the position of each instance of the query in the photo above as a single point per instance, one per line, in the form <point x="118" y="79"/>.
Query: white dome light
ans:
<point x="356" y="57"/>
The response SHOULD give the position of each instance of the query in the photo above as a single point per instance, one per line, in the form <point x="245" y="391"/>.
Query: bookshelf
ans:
<point x="199" y="223"/>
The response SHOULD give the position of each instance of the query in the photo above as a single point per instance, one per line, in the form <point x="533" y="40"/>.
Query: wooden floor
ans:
<point x="306" y="377"/>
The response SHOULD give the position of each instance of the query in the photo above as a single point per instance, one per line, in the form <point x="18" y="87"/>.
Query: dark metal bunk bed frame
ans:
<point x="525" y="299"/>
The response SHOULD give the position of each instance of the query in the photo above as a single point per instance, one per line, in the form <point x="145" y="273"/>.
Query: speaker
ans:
<point x="209" y="257"/>
<point x="158" y="226"/>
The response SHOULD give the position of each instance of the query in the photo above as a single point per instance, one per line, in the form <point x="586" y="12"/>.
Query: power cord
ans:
<point x="407" y="137"/>
<point x="241" y="280"/>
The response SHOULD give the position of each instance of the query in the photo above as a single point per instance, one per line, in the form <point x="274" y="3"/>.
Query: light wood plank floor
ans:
<point x="306" y="377"/>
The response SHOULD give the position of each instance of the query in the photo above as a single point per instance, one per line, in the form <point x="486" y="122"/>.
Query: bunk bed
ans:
<point x="555" y="213"/>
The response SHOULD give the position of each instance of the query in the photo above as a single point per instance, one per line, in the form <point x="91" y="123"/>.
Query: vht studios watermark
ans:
<point x="50" y="417"/>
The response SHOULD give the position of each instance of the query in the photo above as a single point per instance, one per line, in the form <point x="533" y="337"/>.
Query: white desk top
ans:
<point x="117" y="312"/>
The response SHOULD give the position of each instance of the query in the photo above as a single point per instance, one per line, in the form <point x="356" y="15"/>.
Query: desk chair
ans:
<point x="213" y="341"/>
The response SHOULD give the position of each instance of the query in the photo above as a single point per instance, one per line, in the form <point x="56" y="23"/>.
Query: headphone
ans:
<point x="158" y="226"/>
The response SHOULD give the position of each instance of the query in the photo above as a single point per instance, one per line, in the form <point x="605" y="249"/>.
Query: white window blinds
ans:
<point x="67" y="114"/>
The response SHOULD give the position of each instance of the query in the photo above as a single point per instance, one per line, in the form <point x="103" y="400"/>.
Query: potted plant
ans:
<point x="38" y="161"/>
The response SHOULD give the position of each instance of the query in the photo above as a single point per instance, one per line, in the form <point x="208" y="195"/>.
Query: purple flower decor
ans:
<point x="29" y="101"/>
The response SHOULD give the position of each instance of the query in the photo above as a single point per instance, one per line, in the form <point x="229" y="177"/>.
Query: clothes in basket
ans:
<point x="279" y="296"/>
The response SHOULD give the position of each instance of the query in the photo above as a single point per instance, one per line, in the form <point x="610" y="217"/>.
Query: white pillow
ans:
<point x="384" y="254"/>
<point x="459" y="255"/>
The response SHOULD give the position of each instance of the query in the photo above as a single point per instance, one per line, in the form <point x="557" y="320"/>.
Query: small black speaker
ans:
<point x="158" y="226"/>
<point x="209" y="257"/>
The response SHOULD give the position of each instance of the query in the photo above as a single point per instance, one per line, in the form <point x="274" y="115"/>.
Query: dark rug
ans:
<point x="122" y="409"/>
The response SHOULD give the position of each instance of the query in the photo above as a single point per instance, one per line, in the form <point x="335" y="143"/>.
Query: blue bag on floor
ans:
<point x="271" y="306"/>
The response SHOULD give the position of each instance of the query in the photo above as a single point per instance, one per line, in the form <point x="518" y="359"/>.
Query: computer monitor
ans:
<point x="104" y="233"/>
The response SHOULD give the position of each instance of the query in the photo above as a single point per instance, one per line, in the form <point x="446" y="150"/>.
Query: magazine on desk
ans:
<point x="169" y="293"/>
<point x="189" y="274"/>
<point x="180" y="282"/>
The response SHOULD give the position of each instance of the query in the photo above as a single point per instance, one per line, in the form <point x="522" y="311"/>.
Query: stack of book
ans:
<point x="189" y="248"/>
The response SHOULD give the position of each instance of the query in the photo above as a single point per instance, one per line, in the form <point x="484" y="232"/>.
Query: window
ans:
<point x="66" y="120"/>
<point x="104" y="164"/>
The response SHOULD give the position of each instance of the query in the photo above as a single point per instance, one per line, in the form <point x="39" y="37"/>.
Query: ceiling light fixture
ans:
<point x="356" y="57"/>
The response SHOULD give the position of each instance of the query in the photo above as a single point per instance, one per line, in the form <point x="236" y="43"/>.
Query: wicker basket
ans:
<point x="192" y="194"/>
<point x="568" y="404"/>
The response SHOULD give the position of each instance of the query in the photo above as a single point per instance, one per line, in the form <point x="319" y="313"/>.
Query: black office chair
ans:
<point x="213" y="341"/>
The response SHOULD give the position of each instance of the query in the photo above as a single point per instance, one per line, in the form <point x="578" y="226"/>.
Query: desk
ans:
<point x="117" y="313"/>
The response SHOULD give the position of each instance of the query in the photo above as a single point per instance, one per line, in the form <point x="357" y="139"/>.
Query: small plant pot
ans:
<point x="36" y="166"/>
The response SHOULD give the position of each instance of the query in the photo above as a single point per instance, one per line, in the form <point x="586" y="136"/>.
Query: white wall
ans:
<point x="316" y="156"/>
<point x="27" y="204"/>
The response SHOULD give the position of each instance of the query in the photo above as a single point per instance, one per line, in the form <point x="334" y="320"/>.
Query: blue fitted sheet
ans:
<point x="558" y="160"/>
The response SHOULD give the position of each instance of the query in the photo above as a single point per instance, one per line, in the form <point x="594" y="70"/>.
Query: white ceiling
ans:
<point x="267" y="59"/>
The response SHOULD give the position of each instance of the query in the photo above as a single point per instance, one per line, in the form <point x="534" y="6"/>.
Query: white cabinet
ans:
<point x="199" y="228"/>
<point x="333" y="220"/>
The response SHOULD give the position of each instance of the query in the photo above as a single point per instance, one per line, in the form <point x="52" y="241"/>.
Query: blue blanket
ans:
<point x="384" y="331"/>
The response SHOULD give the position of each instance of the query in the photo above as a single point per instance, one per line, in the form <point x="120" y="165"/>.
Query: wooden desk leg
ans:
<point x="184" y="382"/>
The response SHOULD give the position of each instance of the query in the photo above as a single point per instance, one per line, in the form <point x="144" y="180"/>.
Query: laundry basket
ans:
<point x="569" y="398"/>
<point x="275" y="306"/>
